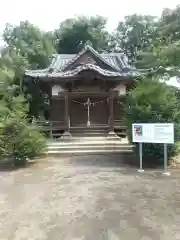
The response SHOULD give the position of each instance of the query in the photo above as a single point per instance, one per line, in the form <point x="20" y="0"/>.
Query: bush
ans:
<point x="19" y="141"/>
<point x="153" y="102"/>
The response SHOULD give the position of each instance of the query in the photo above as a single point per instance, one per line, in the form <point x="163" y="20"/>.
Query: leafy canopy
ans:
<point x="74" y="33"/>
<point x="150" y="102"/>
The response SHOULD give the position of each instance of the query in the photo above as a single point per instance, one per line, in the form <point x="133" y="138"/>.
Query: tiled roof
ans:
<point x="115" y="60"/>
<point x="60" y="60"/>
<point x="118" y="62"/>
<point x="76" y="71"/>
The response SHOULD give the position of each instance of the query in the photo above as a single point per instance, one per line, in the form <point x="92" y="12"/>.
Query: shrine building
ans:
<point x="85" y="90"/>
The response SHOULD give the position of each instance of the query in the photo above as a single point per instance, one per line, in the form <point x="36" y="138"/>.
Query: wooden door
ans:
<point x="99" y="111"/>
<point x="78" y="112"/>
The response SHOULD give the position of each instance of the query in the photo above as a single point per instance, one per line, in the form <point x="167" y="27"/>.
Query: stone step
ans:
<point x="92" y="147"/>
<point x="88" y="147"/>
<point x="86" y="144"/>
<point x="89" y="152"/>
<point x="89" y="138"/>
<point x="89" y="130"/>
<point x="91" y="127"/>
<point x="95" y="141"/>
<point x="90" y="133"/>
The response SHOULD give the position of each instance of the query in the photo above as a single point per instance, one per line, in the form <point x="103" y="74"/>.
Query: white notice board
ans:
<point x="153" y="132"/>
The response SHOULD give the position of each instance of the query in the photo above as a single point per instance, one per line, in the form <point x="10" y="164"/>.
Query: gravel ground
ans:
<point x="88" y="198"/>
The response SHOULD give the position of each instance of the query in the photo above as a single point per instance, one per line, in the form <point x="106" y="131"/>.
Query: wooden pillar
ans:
<point x="50" y="112"/>
<point x="50" y="132"/>
<point x="66" y="132"/>
<point x="67" y="112"/>
<point x="111" y="112"/>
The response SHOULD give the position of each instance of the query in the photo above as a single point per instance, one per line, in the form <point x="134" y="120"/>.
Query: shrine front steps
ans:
<point x="98" y="131"/>
<point x="88" y="145"/>
<point x="89" y="132"/>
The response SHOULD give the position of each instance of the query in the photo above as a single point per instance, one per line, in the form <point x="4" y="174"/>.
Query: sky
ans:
<point x="173" y="82"/>
<point x="48" y="14"/>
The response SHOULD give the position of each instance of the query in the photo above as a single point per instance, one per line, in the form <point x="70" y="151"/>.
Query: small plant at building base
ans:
<point x="153" y="102"/>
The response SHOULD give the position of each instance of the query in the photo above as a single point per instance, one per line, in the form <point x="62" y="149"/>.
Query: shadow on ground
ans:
<point x="8" y="166"/>
<point x="111" y="160"/>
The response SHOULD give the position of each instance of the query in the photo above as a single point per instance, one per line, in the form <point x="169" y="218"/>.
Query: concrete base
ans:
<point x="166" y="173"/>
<point x="140" y="170"/>
<point x="125" y="140"/>
<point x="88" y="124"/>
<point x="113" y="135"/>
<point x="66" y="135"/>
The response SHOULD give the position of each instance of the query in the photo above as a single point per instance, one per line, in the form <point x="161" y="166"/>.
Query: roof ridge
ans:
<point x="113" y="53"/>
<point x="101" y="58"/>
<point x="75" y="58"/>
<point x="93" y="51"/>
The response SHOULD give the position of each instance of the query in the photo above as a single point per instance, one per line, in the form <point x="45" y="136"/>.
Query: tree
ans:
<point x="19" y="140"/>
<point x="28" y="42"/>
<point x="165" y="49"/>
<point x="27" y="47"/>
<point x="150" y="42"/>
<point x="135" y="33"/>
<point x="169" y="25"/>
<point x="143" y="104"/>
<point x="74" y="33"/>
<point x="169" y="33"/>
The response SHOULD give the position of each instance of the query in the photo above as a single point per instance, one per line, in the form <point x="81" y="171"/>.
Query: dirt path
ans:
<point x="88" y="198"/>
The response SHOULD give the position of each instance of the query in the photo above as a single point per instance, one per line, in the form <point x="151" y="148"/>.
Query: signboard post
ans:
<point x="140" y="156"/>
<point x="166" y="173"/>
<point x="153" y="133"/>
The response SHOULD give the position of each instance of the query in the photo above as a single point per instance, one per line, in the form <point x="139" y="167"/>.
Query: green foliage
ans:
<point x="74" y="33"/>
<point x="27" y="48"/>
<point x="29" y="44"/>
<point x="135" y="33"/>
<point x="19" y="141"/>
<point x="151" y="42"/>
<point x="153" y="102"/>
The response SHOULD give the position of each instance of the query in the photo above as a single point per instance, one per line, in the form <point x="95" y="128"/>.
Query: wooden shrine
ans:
<point x="85" y="90"/>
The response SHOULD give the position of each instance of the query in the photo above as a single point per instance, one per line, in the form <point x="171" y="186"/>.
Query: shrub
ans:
<point x="19" y="141"/>
<point x="153" y="102"/>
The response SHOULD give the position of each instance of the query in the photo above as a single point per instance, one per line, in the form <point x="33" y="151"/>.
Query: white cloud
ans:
<point x="48" y="14"/>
